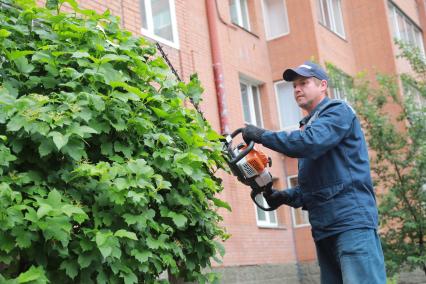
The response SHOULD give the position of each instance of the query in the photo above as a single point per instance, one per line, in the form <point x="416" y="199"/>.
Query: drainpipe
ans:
<point x="217" y="65"/>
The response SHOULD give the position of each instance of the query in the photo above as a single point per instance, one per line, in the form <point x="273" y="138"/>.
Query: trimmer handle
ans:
<point x="255" y="192"/>
<point x="244" y="152"/>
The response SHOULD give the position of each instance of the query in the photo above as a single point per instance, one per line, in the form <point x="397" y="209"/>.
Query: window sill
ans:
<point x="302" y="226"/>
<point x="154" y="37"/>
<point x="244" y="29"/>
<point x="274" y="227"/>
<point x="277" y="37"/>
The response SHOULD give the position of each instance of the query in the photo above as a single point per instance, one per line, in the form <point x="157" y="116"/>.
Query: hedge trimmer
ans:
<point x="250" y="166"/>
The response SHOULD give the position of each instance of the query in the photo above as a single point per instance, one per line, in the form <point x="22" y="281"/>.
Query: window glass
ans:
<point x="159" y="20"/>
<point x="252" y="108"/>
<point x="404" y="29"/>
<point x="246" y="103"/>
<point x="337" y="12"/>
<point x="162" y="19"/>
<point x="330" y="12"/>
<point x="239" y="13"/>
<point x="234" y="13"/>
<point x="244" y="14"/>
<point x="143" y="15"/>
<point x="275" y="18"/>
<point x="257" y="105"/>
<point x="289" y="112"/>
<point x="265" y="218"/>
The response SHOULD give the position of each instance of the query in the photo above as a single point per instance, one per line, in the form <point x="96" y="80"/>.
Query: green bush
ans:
<point x="105" y="176"/>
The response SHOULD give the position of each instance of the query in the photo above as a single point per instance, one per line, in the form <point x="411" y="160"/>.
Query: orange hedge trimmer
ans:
<point x="250" y="166"/>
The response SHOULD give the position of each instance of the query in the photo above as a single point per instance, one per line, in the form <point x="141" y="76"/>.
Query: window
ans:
<point x="300" y="217"/>
<point x="239" y="13"/>
<point x="340" y="83"/>
<point x="288" y="110"/>
<point x="330" y="15"/>
<point x="252" y="108"/>
<point x="265" y="218"/>
<point x="159" y="21"/>
<point x="415" y="94"/>
<point x="404" y="29"/>
<point x="275" y="18"/>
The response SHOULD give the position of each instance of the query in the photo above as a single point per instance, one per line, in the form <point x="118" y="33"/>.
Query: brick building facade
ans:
<point x="256" y="41"/>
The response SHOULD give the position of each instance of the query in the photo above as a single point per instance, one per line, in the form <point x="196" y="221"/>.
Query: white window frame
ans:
<point x="249" y="84"/>
<point x="149" y="31"/>
<point x="394" y="12"/>
<point x="291" y="127"/>
<point x="286" y="18"/>
<point x="293" y="210"/>
<point x="268" y="222"/>
<point x="332" y="16"/>
<point x="240" y="21"/>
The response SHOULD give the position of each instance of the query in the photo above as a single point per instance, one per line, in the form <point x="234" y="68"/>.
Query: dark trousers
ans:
<point x="352" y="257"/>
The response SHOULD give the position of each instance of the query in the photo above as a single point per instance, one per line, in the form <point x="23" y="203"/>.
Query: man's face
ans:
<point x="308" y="92"/>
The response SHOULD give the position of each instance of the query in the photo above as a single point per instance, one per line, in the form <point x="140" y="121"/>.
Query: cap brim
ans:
<point x="290" y="74"/>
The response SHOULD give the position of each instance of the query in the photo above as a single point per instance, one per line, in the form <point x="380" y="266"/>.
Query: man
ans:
<point x="334" y="180"/>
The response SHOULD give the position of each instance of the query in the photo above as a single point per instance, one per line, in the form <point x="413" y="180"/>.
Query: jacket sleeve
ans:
<point x="295" y="197"/>
<point x="323" y="134"/>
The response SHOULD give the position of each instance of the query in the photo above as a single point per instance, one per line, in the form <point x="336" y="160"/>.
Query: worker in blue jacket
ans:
<point x="334" y="180"/>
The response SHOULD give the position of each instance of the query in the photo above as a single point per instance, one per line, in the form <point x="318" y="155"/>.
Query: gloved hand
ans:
<point x="275" y="198"/>
<point x="252" y="133"/>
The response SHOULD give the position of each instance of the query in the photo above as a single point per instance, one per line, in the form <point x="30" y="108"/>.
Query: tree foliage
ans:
<point x="395" y="127"/>
<point x="105" y="176"/>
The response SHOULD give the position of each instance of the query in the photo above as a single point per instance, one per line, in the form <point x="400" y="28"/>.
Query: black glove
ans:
<point x="275" y="198"/>
<point x="252" y="133"/>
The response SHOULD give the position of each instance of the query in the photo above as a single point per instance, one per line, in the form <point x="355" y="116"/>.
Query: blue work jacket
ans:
<point x="334" y="172"/>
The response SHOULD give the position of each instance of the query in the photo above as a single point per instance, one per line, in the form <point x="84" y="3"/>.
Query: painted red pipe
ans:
<point x="217" y="65"/>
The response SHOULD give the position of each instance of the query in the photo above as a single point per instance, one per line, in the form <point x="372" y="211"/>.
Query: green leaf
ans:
<point x="43" y="210"/>
<point x="85" y="259"/>
<point x="129" y="88"/>
<point x="59" y="139"/>
<point x="221" y="203"/>
<point x="23" y="237"/>
<point x="45" y="148"/>
<point x="75" y="149"/>
<point x="80" y="54"/>
<point x="83" y="130"/>
<point x="126" y="234"/>
<point x="33" y="274"/>
<point x="70" y="267"/>
<point x="54" y="199"/>
<point x="23" y="65"/>
<point x="4" y="33"/>
<point x="141" y="256"/>
<point x="179" y="219"/>
<point x="159" y="112"/>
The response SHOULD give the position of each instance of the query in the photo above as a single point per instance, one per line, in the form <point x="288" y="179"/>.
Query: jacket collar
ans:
<point x="306" y="119"/>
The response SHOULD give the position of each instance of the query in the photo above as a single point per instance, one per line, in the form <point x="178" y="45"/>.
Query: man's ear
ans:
<point x="324" y="85"/>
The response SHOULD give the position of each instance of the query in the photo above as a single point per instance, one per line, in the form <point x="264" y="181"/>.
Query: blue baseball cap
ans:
<point x="307" y="69"/>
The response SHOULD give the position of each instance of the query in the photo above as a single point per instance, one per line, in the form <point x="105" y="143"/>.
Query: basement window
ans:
<point x="240" y="13"/>
<point x="158" y="19"/>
